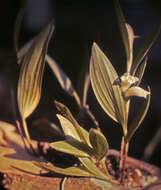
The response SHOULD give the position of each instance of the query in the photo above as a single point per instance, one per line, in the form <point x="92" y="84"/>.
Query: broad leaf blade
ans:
<point x="145" y="48"/>
<point x="73" y="147"/>
<point x="71" y="171"/>
<point x="127" y="34"/>
<point x="83" y="134"/>
<point x="138" y="118"/>
<point x="99" y="143"/>
<point x="103" y="77"/>
<point x="91" y="167"/>
<point x="63" y="79"/>
<point x="31" y="73"/>
<point x="68" y="128"/>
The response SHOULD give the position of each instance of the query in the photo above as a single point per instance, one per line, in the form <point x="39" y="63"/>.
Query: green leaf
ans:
<point x="138" y="118"/>
<point x="145" y="48"/>
<point x="63" y="79"/>
<point x="92" y="168"/>
<point x="71" y="171"/>
<point x="103" y="77"/>
<point x="82" y="133"/>
<point x="99" y="143"/>
<point x="127" y="34"/>
<point x="31" y="73"/>
<point x="68" y="128"/>
<point x="73" y="147"/>
<point x="48" y="128"/>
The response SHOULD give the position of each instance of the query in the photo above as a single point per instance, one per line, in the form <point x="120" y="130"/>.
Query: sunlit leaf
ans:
<point x="71" y="171"/>
<point x="131" y="41"/>
<point x="99" y="143"/>
<point x="31" y="73"/>
<point x="48" y="128"/>
<point x="83" y="134"/>
<point x="127" y="34"/>
<point x="68" y="128"/>
<point x="145" y="48"/>
<point x="63" y="79"/>
<point x="136" y="122"/>
<point x="93" y="169"/>
<point x="103" y="77"/>
<point x="72" y="147"/>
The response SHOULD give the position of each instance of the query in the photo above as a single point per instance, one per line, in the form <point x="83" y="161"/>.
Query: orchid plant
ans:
<point x="114" y="92"/>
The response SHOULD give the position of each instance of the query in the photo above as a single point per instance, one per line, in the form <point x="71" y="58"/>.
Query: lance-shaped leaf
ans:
<point x="140" y="71"/>
<point x="31" y="73"/>
<point x="99" y="143"/>
<point x="92" y="168"/>
<point x="22" y="52"/>
<point x="63" y="79"/>
<point x="70" y="171"/>
<point x="73" y="147"/>
<point x="138" y="118"/>
<point x="68" y="128"/>
<point x="127" y="35"/>
<point x="145" y="48"/>
<point x="82" y="133"/>
<point x="17" y="30"/>
<point x="103" y="77"/>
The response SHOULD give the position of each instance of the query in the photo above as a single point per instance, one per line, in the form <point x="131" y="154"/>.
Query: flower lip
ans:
<point x="127" y="80"/>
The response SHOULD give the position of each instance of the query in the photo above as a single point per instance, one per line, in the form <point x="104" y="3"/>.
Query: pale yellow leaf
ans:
<point x="103" y="77"/>
<point x="31" y="73"/>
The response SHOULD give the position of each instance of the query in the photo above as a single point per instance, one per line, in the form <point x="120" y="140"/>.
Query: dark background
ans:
<point x="78" y="24"/>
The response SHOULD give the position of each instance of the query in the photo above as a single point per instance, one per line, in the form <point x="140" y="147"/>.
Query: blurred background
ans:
<point x="78" y="24"/>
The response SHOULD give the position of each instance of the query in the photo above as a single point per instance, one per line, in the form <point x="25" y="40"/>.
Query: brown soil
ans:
<point x="137" y="174"/>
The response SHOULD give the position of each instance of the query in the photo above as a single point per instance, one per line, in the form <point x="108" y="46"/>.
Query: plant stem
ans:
<point x="103" y="164"/>
<point x="123" y="157"/>
<point x="24" y="124"/>
<point x="88" y="111"/>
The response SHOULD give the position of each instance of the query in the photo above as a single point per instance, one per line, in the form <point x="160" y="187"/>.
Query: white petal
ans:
<point x="136" y="91"/>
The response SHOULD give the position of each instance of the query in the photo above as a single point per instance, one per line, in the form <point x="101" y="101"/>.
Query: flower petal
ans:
<point x="136" y="91"/>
